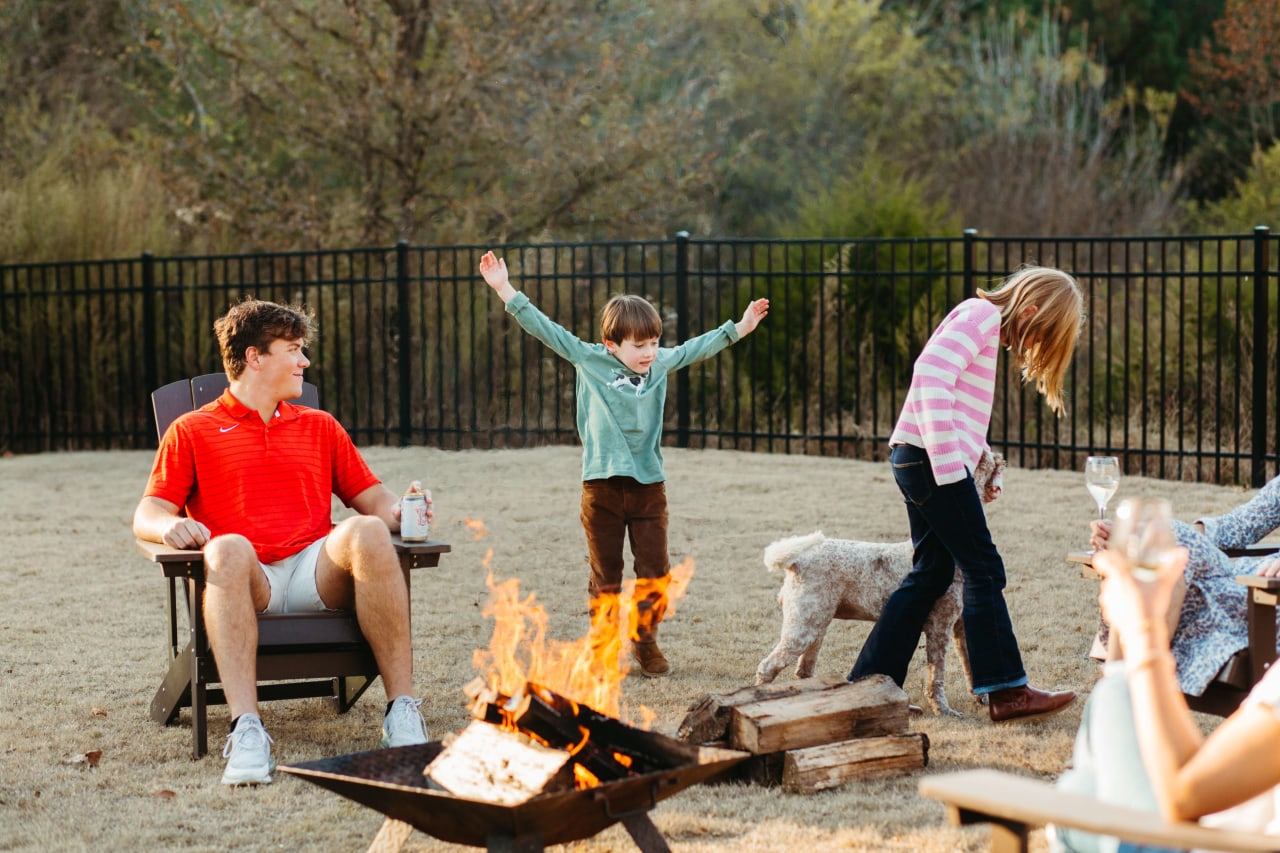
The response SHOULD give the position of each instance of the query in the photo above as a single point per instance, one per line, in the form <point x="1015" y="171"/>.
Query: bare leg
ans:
<point x="236" y="589"/>
<point x="358" y="568"/>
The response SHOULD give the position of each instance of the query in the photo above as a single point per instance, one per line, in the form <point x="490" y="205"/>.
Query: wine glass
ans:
<point x="1102" y="478"/>
<point x="1144" y="535"/>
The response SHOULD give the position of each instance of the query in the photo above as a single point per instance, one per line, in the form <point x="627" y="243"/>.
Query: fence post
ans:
<point x="683" y="414"/>
<point x="1261" y="316"/>
<point x="150" y="357"/>
<point x="970" y="241"/>
<point x="402" y="303"/>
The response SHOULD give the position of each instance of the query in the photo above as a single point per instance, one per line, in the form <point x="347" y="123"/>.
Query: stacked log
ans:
<point x="811" y="734"/>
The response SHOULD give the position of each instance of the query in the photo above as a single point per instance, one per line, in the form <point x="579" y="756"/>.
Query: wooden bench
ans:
<point x="1016" y="805"/>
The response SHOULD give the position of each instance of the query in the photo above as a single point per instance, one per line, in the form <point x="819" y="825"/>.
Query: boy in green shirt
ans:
<point x="621" y="391"/>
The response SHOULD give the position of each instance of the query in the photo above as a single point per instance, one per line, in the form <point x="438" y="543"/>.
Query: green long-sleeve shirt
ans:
<point x="620" y="413"/>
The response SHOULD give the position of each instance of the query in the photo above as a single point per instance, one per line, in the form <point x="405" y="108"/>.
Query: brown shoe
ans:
<point x="652" y="662"/>
<point x="1018" y="703"/>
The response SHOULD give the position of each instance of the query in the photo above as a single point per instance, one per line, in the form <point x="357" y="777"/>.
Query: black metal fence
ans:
<point x="1176" y="372"/>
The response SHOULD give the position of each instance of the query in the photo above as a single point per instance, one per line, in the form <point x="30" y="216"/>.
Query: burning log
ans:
<point x="489" y="763"/>
<point x="603" y="748"/>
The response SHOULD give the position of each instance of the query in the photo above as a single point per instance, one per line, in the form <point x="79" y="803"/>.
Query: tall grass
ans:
<point x="72" y="190"/>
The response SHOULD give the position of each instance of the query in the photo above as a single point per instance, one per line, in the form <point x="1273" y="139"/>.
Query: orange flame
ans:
<point x="477" y="528"/>
<point x="589" y="670"/>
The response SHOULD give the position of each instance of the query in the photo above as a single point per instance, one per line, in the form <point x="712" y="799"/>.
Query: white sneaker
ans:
<point x="403" y="725"/>
<point x="248" y="753"/>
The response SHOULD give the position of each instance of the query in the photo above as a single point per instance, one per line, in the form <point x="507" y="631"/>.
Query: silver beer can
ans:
<point x="413" y="515"/>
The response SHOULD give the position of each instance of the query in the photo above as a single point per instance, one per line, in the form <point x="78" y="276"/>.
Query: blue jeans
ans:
<point x="948" y="530"/>
<point x="1107" y="765"/>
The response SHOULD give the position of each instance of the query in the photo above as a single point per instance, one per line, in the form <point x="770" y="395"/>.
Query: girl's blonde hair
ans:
<point x="1043" y="344"/>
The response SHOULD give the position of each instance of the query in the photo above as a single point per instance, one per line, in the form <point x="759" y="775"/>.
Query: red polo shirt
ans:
<point x="270" y="482"/>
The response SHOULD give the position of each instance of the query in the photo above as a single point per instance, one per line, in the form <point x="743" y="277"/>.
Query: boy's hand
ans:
<point x="494" y="270"/>
<point x="756" y="311"/>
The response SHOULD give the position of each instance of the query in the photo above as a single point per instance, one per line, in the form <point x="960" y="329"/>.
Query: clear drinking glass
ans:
<point x="1102" y="478"/>
<point x="1144" y="534"/>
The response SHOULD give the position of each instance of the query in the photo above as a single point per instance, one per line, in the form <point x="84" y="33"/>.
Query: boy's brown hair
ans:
<point x="256" y="323"/>
<point x="629" y="317"/>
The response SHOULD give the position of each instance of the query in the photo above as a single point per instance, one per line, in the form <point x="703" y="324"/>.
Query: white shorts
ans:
<point x="293" y="582"/>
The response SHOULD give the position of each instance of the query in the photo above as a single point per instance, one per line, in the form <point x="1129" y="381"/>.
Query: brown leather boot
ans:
<point x="650" y="658"/>
<point x="1019" y="703"/>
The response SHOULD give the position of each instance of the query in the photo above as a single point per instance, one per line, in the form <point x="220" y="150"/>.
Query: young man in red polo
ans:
<point x="248" y="479"/>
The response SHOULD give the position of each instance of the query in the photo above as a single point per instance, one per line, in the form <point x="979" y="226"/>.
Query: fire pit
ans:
<point x="650" y="767"/>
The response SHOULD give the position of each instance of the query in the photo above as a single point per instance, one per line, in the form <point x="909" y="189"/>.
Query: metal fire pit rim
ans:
<point x="558" y="817"/>
<point x="664" y="777"/>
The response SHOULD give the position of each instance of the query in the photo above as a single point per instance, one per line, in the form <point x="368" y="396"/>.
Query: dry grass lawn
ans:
<point x="82" y="648"/>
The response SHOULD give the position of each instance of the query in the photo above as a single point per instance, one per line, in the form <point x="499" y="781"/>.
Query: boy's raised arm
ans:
<point x="494" y="270"/>
<point x="756" y="311"/>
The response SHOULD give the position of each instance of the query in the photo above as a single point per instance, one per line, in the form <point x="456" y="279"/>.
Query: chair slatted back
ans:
<point x="169" y="402"/>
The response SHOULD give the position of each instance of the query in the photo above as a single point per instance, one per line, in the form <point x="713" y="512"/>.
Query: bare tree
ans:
<point x="308" y="120"/>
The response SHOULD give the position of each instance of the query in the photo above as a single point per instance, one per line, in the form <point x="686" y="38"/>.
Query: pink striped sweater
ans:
<point x="948" y="406"/>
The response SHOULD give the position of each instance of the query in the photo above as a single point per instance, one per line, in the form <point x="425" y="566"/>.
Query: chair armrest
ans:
<point x="1018" y="803"/>
<point x="1251" y="551"/>
<point x="1264" y="593"/>
<point x="1254" y="582"/>
<point x="419" y="555"/>
<point x="1085" y="558"/>
<point x="176" y="562"/>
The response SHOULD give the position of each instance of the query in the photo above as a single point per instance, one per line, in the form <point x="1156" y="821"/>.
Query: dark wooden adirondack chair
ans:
<point x="1246" y="667"/>
<point x="299" y="655"/>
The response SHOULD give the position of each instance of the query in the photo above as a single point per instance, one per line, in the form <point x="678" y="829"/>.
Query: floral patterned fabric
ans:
<point x="1213" y="625"/>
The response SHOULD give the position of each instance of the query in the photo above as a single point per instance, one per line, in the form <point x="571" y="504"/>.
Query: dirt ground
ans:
<point x="82" y="648"/>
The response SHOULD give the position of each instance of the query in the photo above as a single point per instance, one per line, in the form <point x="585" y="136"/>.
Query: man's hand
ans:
<point x="186" y="534"/>
<point x="494" y="270"/>
<point x="431" y="515"/>
<point x="756" y="311"/>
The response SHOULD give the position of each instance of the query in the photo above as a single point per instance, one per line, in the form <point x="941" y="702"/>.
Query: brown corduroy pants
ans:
<point x="614" y="510"/>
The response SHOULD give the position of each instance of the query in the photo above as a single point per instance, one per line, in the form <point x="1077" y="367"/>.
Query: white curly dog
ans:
<point x="827" y="579"/>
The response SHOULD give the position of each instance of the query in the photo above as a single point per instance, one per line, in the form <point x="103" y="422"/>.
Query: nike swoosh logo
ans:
<point x="228" y="429"/>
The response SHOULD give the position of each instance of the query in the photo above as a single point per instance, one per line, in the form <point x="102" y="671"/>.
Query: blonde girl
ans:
<point x="941" y="433"/>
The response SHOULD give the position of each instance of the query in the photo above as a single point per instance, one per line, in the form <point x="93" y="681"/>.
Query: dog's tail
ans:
<point x="782" y="555"/>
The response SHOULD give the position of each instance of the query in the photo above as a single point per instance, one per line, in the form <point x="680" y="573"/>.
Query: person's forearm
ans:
<point x="150" y="521"/>
<point x="505" y="292"/>
<point x="743" y="329"/>
<point x="1167" y="734"/>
